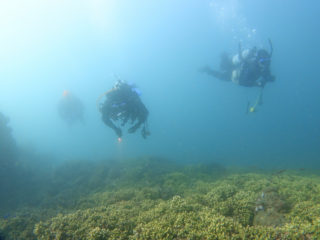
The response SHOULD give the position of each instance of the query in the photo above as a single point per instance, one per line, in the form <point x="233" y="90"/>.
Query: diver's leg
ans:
<point x="125" y="120"/>
<point x="224" y="76"/>
<point x="135" y="127"/>
<point x="145" y="131"/>
<point x="110" y="124"/>
<point x="142" y="117"/>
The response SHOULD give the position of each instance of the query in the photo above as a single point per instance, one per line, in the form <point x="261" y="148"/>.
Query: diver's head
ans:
<point x="119" y="83"/>
<point x="65" y="93"/>
<point x="263" y="58"/>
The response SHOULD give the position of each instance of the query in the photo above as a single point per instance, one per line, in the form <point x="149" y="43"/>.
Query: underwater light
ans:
<point x="119" y="140"/>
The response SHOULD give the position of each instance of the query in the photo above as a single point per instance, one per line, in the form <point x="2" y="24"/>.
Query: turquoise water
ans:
<point x="203" y="141"/>
<point x="49" y="47"/>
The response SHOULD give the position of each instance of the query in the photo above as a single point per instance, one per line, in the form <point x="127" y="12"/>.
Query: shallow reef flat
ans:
<point x="150" y="199"/>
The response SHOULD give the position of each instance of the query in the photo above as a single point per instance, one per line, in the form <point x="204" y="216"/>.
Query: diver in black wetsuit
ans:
<point x="249" y="68"/>
<point x="122" y="104"/>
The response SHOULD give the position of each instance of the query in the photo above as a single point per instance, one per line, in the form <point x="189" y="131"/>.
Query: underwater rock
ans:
<point x="8" y="150"/>
<point x="270" y="208"/>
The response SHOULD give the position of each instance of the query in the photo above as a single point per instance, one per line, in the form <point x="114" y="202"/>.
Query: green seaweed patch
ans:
<point x="182" y="203"/>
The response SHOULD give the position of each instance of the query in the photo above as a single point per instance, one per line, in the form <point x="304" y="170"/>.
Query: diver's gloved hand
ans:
<point x="118" y="132"/>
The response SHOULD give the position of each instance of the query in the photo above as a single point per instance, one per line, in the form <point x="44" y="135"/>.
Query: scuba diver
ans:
<point x="70" y="108"/>
<point x="122" y="104"/>
<point x="249" y="68"/>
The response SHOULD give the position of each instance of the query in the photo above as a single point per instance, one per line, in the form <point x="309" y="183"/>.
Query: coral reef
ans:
<point x="183" y="203"/>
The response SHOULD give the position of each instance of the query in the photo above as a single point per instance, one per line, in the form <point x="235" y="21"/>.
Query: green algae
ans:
<point x="182" y="203"/>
